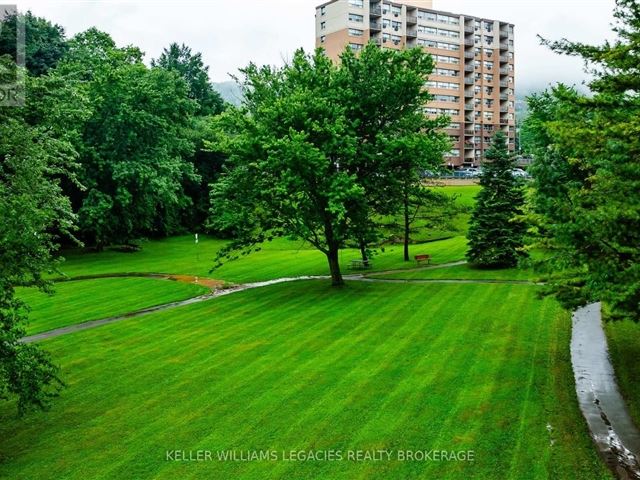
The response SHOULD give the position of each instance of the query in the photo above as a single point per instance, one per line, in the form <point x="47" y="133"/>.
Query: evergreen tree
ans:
<point x="496" y="234"/>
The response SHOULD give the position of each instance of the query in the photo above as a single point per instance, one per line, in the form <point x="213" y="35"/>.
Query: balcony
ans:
<point x="504" y="33"/>
<point x="468" y="29"/>
<point x="468" y="106"/>
<point x="412" y="20"/>
<point x="468" y="81"/>
<point x="375" y="11"/>
<point x="376" y="40"/>
<point x="504" y="84"/>
<point x="504" y="121"/>
<point x="504" y="71"/>
<point x="504" y="109"/>
<point x="504" y="59"/>
<point x="469" y="55"/>
<point x="504" y="97"/>
<point x="376" y="26"/>
<point x="469" y="42"/>
<point x="469" y="132"/>
<point x="412" y="33"/>
<point x="469" y="93"/>
<point x="469" y="68"/>
<point x="504" y="46"/>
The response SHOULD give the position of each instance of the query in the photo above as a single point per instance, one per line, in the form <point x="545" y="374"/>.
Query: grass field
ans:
<point x="463" y="272"/>
<point x="624" y="348"/>
<point x="280" y="258"/>
<point x="304" y="366"/>
<point x="80" y="301"/>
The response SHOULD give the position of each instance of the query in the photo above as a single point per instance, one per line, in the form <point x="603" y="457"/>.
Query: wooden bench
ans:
<point x="359" y="264"/>
<point x="422" y="258"/>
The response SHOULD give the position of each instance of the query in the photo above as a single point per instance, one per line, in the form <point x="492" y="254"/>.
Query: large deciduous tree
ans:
<point x="587" y="180"/>
<point x="133" y="144"/>
<point x="496" y="230"/>
<point x="32" y="208"/>
<point x="308" y="158"/>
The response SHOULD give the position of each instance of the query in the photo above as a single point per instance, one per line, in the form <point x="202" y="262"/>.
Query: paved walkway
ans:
<point x="613" y="431"/>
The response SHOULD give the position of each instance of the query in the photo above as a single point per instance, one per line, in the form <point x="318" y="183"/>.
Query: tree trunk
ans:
<point x="363" y="250"/>
<point x="334" y="267"/>
<point x="406" y="227"/>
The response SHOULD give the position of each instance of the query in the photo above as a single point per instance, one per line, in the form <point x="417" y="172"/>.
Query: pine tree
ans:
<point x="496" y="234"/>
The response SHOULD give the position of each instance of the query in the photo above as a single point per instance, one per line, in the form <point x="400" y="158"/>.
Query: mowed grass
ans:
<point x="464" y="272"/>
<point x="280" y="258"/>
<point x="302" y="366"/>
<point x="83" y="300"/>
<point x="624" y="349"/>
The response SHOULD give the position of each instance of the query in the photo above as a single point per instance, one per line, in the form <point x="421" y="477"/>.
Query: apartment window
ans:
<point x="487" y="128"/>
<point x="354" y="17"/>
<point x="488" y="115"/>
<point x="488" y="39"/>
<point x="488" y="102"/>
<point x="446" y="72"/>
<point x="447" y="59"/>
<point x="488" y="65"/>
<point x="477" y="51"/>
<point x="396" y="39"/>
<point x="428" y="16"/>
<point x="511" y="104"/>
<point x="454" y="125"/>
<point x="395" y="10"/>
<point x="448" y="46"/>
<point x="510" y="55"/>
<point x="356" y="3"/>
<point x="476" y="39"/>
<point x="354" y="32"/>
<point x="489" y="53"/>
<point x="447" y="19"/>
<point x="476" y="64"/>
<point x="356" y="47"/>
<point x="443" y="85"/>
<point x="476" y="89"/>
<point x="323" y="25"/>
<point x="431" y="111"/>
<point x="488" y="27"/>
<point x="396" y="25"/>
<point x="386" y="23"/>
<point x="386" y="8"/>
<point x="323" y="11"/>
<point x="476" y="25"/>
<point x="476" y="102"/>
<point x="510" y="79"/>
<point x="385" y="37"/>
<point x="323" y="38"/>
<point x="455" y="152"/>
<point x="488" y="77"/>
<point x="446" y="98"/>
<point x="488" y="90"/>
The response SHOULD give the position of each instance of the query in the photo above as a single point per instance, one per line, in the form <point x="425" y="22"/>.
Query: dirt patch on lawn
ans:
<point x="210" y="283"/>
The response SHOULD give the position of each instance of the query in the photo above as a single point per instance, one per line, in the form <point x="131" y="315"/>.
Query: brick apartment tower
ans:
<point x="473" y="81"/>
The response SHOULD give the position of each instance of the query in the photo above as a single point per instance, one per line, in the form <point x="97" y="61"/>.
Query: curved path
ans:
<point x="614" y="433"/>
<point x="226" y="291"/>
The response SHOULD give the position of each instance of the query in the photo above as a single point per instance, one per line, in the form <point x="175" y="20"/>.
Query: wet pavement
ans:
<point x="612" y="429"/>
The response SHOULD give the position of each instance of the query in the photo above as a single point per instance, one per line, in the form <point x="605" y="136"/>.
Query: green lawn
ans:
<point x="465" y="193"/>
<point x="80" y="301"/>
<point x="304" y="366"/>
<point x="280" y="258"/>
<point x="624" y="348"/>
<point x="464" y="272"/>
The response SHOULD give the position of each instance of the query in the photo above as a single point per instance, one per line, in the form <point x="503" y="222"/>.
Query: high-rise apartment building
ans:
<point x="473" y="79"/>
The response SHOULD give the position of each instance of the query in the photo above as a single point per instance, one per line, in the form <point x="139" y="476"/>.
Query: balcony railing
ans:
<point x="468" y="106"/>
<point x="504" y="59"/>
<point x="468" y="81"/>
<point x="504" y="46"/>
<point x="504" y="84"/>
<point x="504" y="110"/>
<point x="412" y="33"/>
<point x="469" y="42"/>
<point x="469" y="29"/>
<point x="504" y="33"/>
<point x="504" y="71"/>
<point x="504" y="96"/>
<point x="377" y="11"/>
<point x="412" y="20"/>
<point x="504" y="121"/>
<point x="376" y="26"/>
<point x="469" y="54"/>
<point x="376" y="40"/>
<point x="469" y="68"/>
<point x="469" y="93"/>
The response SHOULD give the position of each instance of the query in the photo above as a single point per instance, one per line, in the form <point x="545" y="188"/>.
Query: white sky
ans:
<point x="231" y="33"/>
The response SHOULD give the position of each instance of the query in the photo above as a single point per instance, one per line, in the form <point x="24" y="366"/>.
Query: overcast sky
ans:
<point x="231" y="33"/>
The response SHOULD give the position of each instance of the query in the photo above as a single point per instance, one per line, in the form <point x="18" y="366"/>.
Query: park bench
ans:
<point x="359" y="264"/>
<point x="422" y="258"/>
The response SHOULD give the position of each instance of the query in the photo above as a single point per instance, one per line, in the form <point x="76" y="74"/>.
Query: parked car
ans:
<point x="518" y="172"/>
